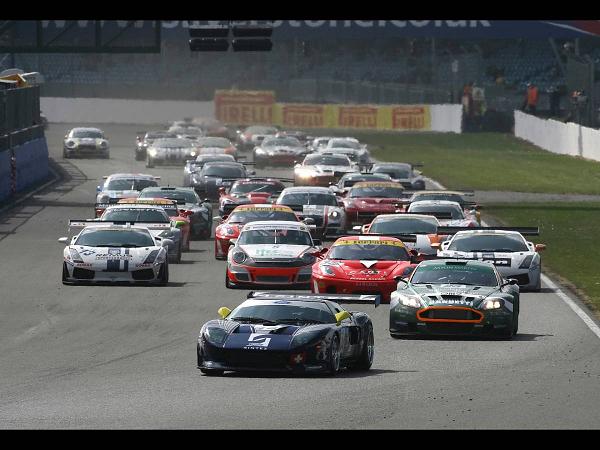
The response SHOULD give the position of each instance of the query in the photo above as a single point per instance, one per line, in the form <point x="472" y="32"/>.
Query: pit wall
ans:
<point x="558" y="137"/>
<point x="22" y="167"/>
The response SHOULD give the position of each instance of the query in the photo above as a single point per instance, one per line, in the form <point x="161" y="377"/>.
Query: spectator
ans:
<point x="531" y="99"/>
<point x="554" y="101"/>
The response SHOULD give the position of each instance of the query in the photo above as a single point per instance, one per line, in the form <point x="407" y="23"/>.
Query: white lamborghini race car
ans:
<point x="105" y="253"/>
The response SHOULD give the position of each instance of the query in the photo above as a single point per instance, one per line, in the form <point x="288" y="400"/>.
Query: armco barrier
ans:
<point x="558" y="137"/>
<point x="32" y="163"/>
<point x="5" y="178"/>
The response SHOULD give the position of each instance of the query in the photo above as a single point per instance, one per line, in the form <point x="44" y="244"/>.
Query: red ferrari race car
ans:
<point x="363" y="265"/>
<point x="170" y="206"/>
<point x="250" y="190"/>
<point x="272" y="254"/>
<point x="230" y="228"/>
<point x="366" y="200"/>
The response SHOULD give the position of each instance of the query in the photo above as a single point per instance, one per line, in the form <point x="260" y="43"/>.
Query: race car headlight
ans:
<point x="239" y="256"/>
<point x="151" y="257"/>
<point x="229" y="231"/>
<point x="304" y="338"/>
<point x="152" y="151"/>
<point x="193" y="153"/>
<point x="215" y="336"/>
<point x="492" y="303"/>
<point x="71" y="144"/>
<point x="103" y="144"/>
<point x="304" y="173"/>
<point x="412" y="301"/>
<point x="104" y="199"/>
<point x="526" y="262"/>
<point x="307" y="258"/>
<point x="75" y="255"/>
<point x="327" y="269"/>
<point x="335" y="215"/>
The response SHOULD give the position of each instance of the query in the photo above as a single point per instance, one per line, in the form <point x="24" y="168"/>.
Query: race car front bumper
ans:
<point x="281" y="277"/>
<point x="147" y="274"/>
<point x="331" y="285"/>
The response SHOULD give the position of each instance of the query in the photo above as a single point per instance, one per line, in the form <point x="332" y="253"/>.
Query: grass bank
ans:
<point x="487" y="161"/>
<point x="570" y="231"/>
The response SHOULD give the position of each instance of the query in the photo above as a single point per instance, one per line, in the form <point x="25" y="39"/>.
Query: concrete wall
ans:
<point x="446" y="118"/>
<point x="107" y="110"/>
<point x="32" y="163"/>
<point x="5" y="177"/>
<point x="558" y="137"/>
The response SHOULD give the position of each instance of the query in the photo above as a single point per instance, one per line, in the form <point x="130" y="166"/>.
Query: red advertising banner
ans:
<point x="357" y="117"/>
<point x="410" y="118"/>
<point x="308" y="116"/>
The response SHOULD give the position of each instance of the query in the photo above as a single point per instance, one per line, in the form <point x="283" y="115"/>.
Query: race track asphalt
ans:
<point x="124" y="357"/>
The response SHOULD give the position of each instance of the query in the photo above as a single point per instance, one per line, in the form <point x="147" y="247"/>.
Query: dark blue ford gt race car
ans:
<point x="288" y="332"/>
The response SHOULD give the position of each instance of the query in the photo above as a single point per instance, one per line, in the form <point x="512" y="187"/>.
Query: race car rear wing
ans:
<point x="525" y="231"/>
<point x="82" y="223"/>
<point x="337" y="298"/>
<point x="402" y="237"/>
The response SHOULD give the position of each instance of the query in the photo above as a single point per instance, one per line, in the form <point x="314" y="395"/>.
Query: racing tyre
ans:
<point x="149" y="163"/>
<point x="212" y="372"/>
<point x="516" y="324"/>
<point x="65" y="274"/>
<point x="538" y="286"/>
<point x="228" y="284"/>
<point x="139" y="156"/>
<point x="163" y="274"/>
<point x="66" y="154"/>
<point x="509" y="331"/>
<point x="259" y="163"/>
<point x="365" y="360"/>
<point x="333" y="365"/>
<point x="106" y="155"/>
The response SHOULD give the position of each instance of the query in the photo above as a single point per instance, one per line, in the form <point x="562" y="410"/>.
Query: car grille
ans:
<point x="452" y="297"/>
<point x="272" y="279"/>
<point x="256" y="359"/>
<point x="144" y="274"/>
<point x="83" y="274"/>
<point x="440" y="314"/>
<point x="449" y="328"/>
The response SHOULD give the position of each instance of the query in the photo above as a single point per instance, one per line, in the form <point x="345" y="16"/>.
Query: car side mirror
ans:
<point x="167" y="243"/>
<point x="63" y="240"/>
<point x="252" y="172"/>
<point x="224" y="311"/>
<point x="221" y="190"/>
<point x="98" y="189"/>
<point x="232" y="242"/>
<point x="217" y="219"/>
<point x="510" y="281"/>
<point x="435" y="245"/>
<point x="357" y="228"/>
<point x="540" y="247"/>
<point x="206" y="200"/>
<point x="400" y="279"/>
<point x="341" y="316"/>
<point x="317" y="242"/>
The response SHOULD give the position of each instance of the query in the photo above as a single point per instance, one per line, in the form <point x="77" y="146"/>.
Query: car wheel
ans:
<point x="365" y="360"/>
<point x="538" y="285"/>
<point x="212" y="372"/>
<point x="229" y="284"/>
<point x="149" y="163"/>
<point x="259" y="163"/>
<point x="333" y="365"/>
<point x="163" y="274"/>
<point x="516" y="323"/>
<point x="66" y="154"/>
<point x="508" y="332"/>
<point x="65" y="273"/>
<point x="106" y="155"/>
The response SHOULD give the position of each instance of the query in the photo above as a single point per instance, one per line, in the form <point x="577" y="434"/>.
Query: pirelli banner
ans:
<point x="259" y="107"/>
<point x="373" y="117"/>
<point x="244" y="107"/>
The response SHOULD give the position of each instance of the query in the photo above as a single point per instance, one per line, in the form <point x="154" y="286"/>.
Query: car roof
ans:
<point x="378" y="184"/>
<point x="403" y="216"/>
<point x="265" y="206"/>
<point x="489" y="232"/>
<point x="168" y="188"/>
<point x="134" y="206"/>
<point x="258" y="180"/>
<point x="275" y="224"/>
<point x="147" y="200"/>
<point x="86" y="129"/>
<point x="467" y="262"/>
<point x="391" y="165"/>
<point x="222" y="163"/>
<point x="368" y="237"/>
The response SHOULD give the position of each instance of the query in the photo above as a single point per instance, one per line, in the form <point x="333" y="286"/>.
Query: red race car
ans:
<point x="230" y="228"/>
<point x="366" y="200"/>
<point x="249" y="190"/>
<point x="363" y="265"/>
<point x="170" y="206"/>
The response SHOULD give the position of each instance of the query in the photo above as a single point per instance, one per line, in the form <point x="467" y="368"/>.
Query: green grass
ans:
<point x="570" y="232"/>
<point x="486" y="161"/>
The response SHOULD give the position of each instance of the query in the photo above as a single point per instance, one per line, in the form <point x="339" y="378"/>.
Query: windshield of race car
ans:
<point x="115" y="238"/>
<point x="244" y="188"/>
<point x="135" y="215"/>
<point x="326" y="160"/>
<point x="281" y="142"/>
<point x="244" y="216"/>
<point x="350" y="180"/>
<point x="223" y="171"/>
<point x="87" y="134"/>
<point x="454" y="274"/>
<point x="338" y="143"/>
<point x="434" y="210"/>
<point x="125" y="184"/>
<point x="404" y="226"/>
<point x="282" y="311"/>
<point x="488" y="243"/>
<point x="178" y="196"/>
<point x="369" y="250"/>
<point x="261" y="130"/>
<point x="277" y="236"/>
<point x="214" y="142"/>
<point x="308" y="198"/>
<point x="376" y="192"/>
<point x="159" y="134"/>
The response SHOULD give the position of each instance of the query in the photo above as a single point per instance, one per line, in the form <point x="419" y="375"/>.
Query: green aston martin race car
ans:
<point x="454" y="297"/>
